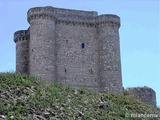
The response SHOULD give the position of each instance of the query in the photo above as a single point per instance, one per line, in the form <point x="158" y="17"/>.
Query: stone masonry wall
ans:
<point x="143" y="94"/>
<point x="77" y="55"/>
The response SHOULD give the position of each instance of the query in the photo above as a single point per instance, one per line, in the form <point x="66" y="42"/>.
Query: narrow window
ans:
<point x="65" y="71"/>
<point x="67" y="41"/>
<point x="83" y="45"/>
<point x="91" y="71"/>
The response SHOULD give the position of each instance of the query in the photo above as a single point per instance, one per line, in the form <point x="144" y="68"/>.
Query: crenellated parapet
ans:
<point x="21" y="35"/>
<point x="61" y="14"/>
<point x="73" y="16"/>
<point x="108" y="20"/>
<point x="40" y="13"/>
<point x="70" y="12"/>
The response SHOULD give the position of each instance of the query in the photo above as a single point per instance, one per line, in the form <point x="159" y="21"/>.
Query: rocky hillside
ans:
<point x="24" y="97"/>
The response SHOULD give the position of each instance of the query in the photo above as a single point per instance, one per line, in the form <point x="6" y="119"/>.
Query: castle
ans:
<point x="78" y="48"/>
<point x="73" y="47"/>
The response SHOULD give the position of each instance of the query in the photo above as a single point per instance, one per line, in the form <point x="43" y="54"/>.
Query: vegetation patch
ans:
<point x="23" y="97"/>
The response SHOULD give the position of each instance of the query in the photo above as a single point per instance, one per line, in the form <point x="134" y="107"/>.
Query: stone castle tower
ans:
<point x="77" y="48"/>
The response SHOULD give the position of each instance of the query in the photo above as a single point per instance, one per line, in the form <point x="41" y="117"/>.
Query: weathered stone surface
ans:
<point x="143" y="94"/>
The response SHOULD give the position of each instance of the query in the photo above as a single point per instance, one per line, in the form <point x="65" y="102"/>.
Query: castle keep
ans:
<point x="77" y="48"/>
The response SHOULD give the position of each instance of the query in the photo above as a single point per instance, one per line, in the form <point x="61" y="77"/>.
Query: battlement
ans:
<point x="143" y="94"/>
<point x="108" y="18"/>
<point x="68" y="12"/>
<point x="21" y="35"/>
<point x="60" y="11"/>
<point x="40" y="12"/>
<point x="60" y="14"/>
<point x="71" y="15"/>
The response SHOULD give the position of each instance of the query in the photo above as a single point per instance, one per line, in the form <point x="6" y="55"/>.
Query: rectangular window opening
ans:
<point x="83" y="45"/>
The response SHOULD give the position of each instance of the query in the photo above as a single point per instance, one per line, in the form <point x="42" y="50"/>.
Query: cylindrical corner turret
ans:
<point x="42" y="43"/>
<point x="21" y="39"/>
<point x="40" y="13"/>
<point x="143" y="94"/>
<point x="109" y="54"/>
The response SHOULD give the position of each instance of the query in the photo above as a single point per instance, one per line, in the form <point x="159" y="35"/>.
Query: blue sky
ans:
<point x="139" y="34"/>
